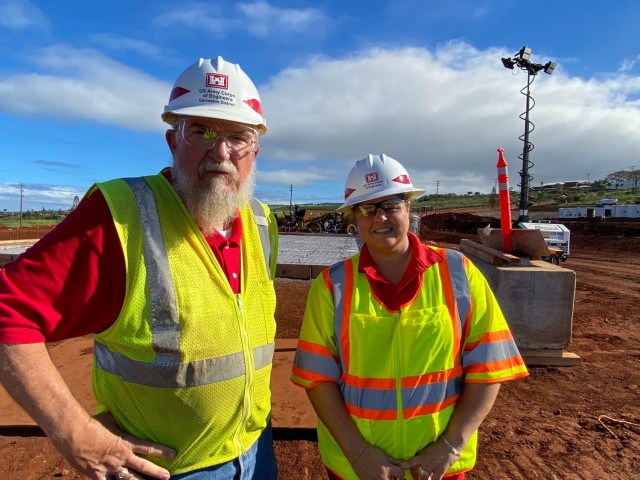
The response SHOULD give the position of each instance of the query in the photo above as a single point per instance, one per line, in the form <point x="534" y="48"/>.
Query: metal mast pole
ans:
<point x="524" y="174"/>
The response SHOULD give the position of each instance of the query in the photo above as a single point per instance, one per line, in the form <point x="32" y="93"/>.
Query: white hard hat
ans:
<point x="216" y="89"/>
<point x="377" y="176"/>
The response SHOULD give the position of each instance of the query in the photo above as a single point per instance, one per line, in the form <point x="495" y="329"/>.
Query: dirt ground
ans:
<point x="568" y="423"/>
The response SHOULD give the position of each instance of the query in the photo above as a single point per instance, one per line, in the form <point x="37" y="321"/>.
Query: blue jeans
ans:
<point x="258" y="463"/>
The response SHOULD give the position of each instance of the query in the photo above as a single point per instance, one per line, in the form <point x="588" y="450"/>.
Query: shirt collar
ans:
<point x="422" y="257"/>
<point x="236" y="234"/>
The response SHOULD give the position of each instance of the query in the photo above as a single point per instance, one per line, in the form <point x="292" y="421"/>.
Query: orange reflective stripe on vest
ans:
<point x="428" y="393"/>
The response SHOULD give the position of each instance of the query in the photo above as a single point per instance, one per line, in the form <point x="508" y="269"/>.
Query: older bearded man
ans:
<point x="173" y="274"/>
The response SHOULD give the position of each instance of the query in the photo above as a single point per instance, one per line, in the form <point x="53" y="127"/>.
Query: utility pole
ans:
<point x="21" y="195"/>
<point x="290" y="199"/>
<point x="437" y="187"/>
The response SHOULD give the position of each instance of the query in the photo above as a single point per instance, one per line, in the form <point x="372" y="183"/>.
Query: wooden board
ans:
<point x="528" y="243"/>
<point x="488" y="254"/>
<point x="550" y="357"/>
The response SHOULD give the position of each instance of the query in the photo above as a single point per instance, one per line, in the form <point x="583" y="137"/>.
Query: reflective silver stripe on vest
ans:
<point x="263" y="230"/>
<point x="460" y="284"/>
<point x="177" y="375"/>
<point x="165" y="323"/>
<point x="338" y="279"/>
<point x="167" y="371"/>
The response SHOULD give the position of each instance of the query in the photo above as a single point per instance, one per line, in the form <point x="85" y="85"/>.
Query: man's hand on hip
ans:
<point x="101" y="450"/>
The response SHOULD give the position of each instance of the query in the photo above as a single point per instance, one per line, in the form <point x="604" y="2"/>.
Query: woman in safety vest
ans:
<point x="403" y="346"/>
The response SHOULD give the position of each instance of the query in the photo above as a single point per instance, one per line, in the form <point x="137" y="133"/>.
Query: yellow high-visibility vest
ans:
<point x="187" y="363"/>
<point x="401" y="373"/>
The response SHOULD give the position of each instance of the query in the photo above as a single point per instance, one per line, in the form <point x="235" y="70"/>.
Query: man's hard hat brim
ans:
<point x="217" y="113"/>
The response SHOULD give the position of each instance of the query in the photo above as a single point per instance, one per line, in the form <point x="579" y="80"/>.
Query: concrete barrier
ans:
<point x="537" y="301"/>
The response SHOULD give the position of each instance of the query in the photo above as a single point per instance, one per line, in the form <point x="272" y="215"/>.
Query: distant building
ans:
<point x="570" y="185"/>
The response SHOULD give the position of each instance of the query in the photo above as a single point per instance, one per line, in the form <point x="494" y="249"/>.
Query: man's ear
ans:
<point x="171" y="138"/>
<point x="255" y="154"/>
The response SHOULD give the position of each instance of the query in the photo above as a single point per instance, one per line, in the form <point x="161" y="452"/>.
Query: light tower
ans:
<point x="523" y="62"/>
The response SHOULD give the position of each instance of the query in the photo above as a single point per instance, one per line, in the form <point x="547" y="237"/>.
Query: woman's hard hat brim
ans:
<point x="410" y="194"/>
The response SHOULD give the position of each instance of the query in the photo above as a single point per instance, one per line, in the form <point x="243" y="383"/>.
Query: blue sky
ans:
<point x="83" y="84"/>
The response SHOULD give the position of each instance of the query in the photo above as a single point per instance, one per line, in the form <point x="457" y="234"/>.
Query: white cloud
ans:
<point x="123" y="44"/>
<point x="264" y="19"/>
<point x="444" y="113"/>
<point x="628" y="64"/>
<point x="38" y="196"/>
<point x="71" y="83"/>
<point x="21" y="14"/>
<point x="259" y="19"/>
<point x="286" y="177"/>
<point x="197" y="15"/>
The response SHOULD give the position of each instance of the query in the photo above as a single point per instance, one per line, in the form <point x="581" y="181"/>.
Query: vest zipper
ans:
<point x="249" y="367"/>
<point x="397" y="352"/>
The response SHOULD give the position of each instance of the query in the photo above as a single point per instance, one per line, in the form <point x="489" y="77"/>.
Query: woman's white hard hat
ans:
<point x="377" y="176"/>
<point x="215" y="89"/>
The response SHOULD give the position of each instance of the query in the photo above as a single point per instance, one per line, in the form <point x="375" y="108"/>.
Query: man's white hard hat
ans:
<point x="377" y="176"/>
<point x="215" y="88"/>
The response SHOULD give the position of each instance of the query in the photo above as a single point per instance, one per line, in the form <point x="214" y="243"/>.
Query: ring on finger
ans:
<point x="121" y="474"/>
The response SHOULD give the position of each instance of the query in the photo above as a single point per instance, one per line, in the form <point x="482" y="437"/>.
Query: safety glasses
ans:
<point x="204" y="137"/>
<point x="390" y="207"/>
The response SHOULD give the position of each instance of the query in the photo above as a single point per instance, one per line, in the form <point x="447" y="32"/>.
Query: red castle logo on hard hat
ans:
<point x="371" y="177"/>
<point x="217" y="80"/>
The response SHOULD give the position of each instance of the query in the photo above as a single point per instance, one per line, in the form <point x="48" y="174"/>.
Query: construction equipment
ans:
<point x="555" y="235"/>
<point x="332" y="222"/>
<point x="308" y="220"/>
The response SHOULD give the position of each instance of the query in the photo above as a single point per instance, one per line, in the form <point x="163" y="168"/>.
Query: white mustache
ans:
<point x="219" y="167"/>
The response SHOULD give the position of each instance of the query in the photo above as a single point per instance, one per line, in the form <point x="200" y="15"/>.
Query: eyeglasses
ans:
<point x="204" y="137"/>
<point x="390" y="207"/>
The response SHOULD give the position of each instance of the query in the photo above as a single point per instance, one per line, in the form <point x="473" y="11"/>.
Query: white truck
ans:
<point x="606" y="201"/>
<point x="556" y="236"/>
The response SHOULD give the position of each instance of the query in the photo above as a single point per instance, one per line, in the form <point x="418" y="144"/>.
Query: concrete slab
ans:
<point x="11" y="249"/>
<point x="316" y="249"/>
<point x="303" y="256"/>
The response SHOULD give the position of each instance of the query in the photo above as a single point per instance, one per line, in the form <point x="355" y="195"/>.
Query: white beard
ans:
<point x="215" y="204"/>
